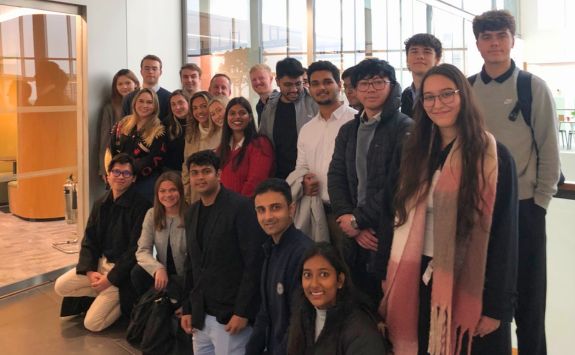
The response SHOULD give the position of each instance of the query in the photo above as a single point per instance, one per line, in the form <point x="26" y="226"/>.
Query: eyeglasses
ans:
<point x="378" y="84"/>
<point x="124" y="173"/>
<point x="446" y="97"/>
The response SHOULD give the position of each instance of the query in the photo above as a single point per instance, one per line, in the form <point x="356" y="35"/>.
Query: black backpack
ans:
<point x="523" y="105"/>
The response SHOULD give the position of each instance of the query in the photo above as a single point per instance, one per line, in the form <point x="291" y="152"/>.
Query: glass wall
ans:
<point x="230" y="36"/>
<point x="39" y="115"/>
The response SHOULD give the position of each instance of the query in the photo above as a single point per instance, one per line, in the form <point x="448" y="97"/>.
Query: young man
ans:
<point x="223" y="264"/>
<point x="316" y="140"/>
<point x="151" y="71"/>
<point x="363" y="174"/>
<point x="220" y="85"/>
<point x="536" y="153"/>
<point x="423" y="51"/>
<point x="281" y="271"/>
<point x="349" y="90"/>
<point x="285" y="114"/>
<point x="191" y="78"/>
<point x="107" y="254"/>
<point x="261" y="78"/>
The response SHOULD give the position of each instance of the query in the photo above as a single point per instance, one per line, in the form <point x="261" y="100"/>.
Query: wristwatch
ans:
<point x="353" y="222"/>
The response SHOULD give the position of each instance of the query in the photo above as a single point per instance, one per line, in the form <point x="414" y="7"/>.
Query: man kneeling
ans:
<point x="108" y="249"/>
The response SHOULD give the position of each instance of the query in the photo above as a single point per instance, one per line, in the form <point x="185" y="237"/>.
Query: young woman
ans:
<point x="247" y="158"/>
<point x="217" y="108"/>
<point x="123" y="83"/>
<point x="331" y="319"/>
<point x="201" y="134"/>
<point x="142" y="136"/>
<point x="451" y="273"/>
<point x="163" y="229"/>
<point x="176" y="123"/>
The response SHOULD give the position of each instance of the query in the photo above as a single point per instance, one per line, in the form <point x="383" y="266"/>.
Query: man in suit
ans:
<point x="223" y="265"/>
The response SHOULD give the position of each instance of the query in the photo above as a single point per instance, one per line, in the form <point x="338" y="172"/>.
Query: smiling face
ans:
<point x="420" y="59"/>
<point x="238" y="118"/>
<point x="179" y="106"/>
<point x="220" y="85"/>
<point x="204" y="179"/>
<point x="217" y="112"/>
<point x="200" y="110"/>
<point x="320" y="282"/>
<point x="168" y="195"/>
<point x="125" y="85"/>
<point x="274" y="214"/>
<point x="261" y="81"/>
<point x="144" y="106"/>
<point x="495" y="46"/>
<point x="120" y="183"/>
<point x="323" y="87"/>
<point x="290" y="88"/>
<point x="442" y="104"/>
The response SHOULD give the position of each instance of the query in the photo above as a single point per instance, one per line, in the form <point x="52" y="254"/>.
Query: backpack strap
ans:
<point x="524" y="101"/>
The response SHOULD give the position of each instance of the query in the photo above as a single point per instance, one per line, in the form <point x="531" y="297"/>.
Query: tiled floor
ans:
<point x="30" y="325"/>
<point x="26" y="248"/>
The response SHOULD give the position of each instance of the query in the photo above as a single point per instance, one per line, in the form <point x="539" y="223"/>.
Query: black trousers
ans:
<point x="495" y="343"/>
<point x="531" y="279"/>
<point x="142" y="281"/>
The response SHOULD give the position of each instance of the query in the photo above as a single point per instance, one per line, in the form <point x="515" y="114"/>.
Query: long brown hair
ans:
<point x="193" y="126"/>
<point x="173" y="126"/>
<point x="159" y="209"/>
<point x="116" y="97"/>
<point x="421" y="154"/>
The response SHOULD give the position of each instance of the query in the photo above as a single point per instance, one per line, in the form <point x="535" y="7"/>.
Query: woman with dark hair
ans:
<point x="123" y="83"/>
<point x="176" y="123"/>
<point x="201" y="134"/>
<point x="451" y="274"/>
<point x="163" y="229"/>
<point x="142" y="136"/>
<point x="247" y="157"/>
<point x="331" y="319"/>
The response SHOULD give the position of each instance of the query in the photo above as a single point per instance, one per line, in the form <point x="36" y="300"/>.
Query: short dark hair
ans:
<point x="123" y="158"/>
<point x="204" y="158"/>
<point x="425" y="40"/>
<point x="494" y="20"/>
<point x="275" y="185"/>
<point x="371" y="67"/>
<point x="323" y="65"/>
<point x="348" y="73"/>
<point x="151" y="57"/>
<point x="289" y="67"/>
<point x="192" y="67"/>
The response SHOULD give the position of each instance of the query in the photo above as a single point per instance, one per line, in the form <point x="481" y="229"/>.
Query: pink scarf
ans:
<point x="458" y="270"/>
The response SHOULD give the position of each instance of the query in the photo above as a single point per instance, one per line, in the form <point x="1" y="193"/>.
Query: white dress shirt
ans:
<point x="316" y="142"/>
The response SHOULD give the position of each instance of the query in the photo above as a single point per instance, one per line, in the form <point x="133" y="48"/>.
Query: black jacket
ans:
<point x="223" y="276"/>
<point x="407" y="101"/>
<point x="383" y="160"/>
<point x="280" y="282"/>
<point x="348" y="330"/>
<point x="113" y="230"/>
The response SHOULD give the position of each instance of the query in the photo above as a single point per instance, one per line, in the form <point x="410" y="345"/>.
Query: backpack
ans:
<point x="524" y="101"/>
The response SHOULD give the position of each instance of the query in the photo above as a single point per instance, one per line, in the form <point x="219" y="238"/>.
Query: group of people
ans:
<point x="405" y="222"/>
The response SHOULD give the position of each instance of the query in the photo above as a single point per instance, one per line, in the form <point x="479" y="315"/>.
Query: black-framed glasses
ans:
<point x="446" y="97"/>
<point x="124" y="173"/>
<point x="378" y="84"/>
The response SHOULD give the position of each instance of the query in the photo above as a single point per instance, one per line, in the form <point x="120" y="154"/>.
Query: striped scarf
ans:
<point x="458" y="268"/>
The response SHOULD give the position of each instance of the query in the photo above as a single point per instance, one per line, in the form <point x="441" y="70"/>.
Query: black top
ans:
<point x="175" y="148"/>
<point x="205" y="212"/>
<point x="285" y="139"/>
<point x="407" y="102"/>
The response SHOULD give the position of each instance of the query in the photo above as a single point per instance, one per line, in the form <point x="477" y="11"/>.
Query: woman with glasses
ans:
<point x="247" y="157"/>
<point x="201" y="134"/>
<point x="123" y="83"/>
<point x="451" y="275"/>
<point x="142" y="136"/>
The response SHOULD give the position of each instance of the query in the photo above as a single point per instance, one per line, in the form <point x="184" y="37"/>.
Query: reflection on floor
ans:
<point x="26" y="248"/>
<point x="30" y="324"/>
